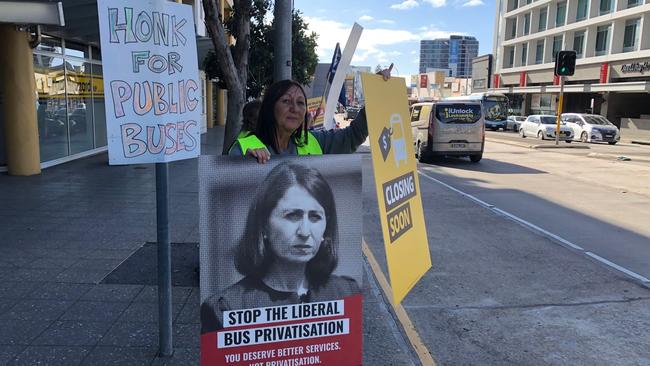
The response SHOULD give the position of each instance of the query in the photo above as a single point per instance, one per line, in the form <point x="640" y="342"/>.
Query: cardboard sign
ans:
<point x="397" y="183"/>
<point x="151" y="81"/>
<point x="316" y="109"/>
<point x="281" y="265"/>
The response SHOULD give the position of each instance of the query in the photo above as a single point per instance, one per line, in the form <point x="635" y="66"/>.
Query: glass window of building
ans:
<point x="524" y="53"/>
<point x="511" y="56"/>
<point x="97" y="54"/>
<point x="539" y="52"/>
<point x="99" y="112"/>
<point x="579" y="43"/>
<point x="560" y="15"/>
<point x="583" y="9"/>
<point x="50" y="44"/>
<point x="75" y="49"/>
<point x="526" y="24"/>
<point x="631" y="36"/>
<point x="513" y="28"/>
<point x="605" y="6"/>
<point x="557" y="45"/>
<point x="51" y="110"/>
<point x="602" y="40"/>
<point x="633" y="3"/>
<point x="542" y="19"/>
<point x="79" y="105"/>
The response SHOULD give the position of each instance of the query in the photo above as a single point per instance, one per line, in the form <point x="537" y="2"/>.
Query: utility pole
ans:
<point x="282" y="20"/>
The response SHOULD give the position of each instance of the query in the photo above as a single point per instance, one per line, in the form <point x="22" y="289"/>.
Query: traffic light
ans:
<point x="565" y="63"/>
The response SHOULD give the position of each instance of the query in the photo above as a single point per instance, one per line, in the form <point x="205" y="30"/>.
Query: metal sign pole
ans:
<point x="164" y="261"/>
<point x="559" y="111"/>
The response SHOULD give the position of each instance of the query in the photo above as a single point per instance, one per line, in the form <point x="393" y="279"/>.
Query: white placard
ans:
<point x="339" y="77"/>
<point x="151" y="81"/>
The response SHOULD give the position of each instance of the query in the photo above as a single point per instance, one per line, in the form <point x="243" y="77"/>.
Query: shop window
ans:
<point x="96" y="53"/>
<point x="99" y="111"/>
<point x="50" y="44"/>
<point x="51" y="108"/>
<point x="75" y="49"/>
<point x="79" y="87"/>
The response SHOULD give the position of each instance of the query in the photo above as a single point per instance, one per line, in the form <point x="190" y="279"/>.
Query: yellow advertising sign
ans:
<point x="397" y="183"/>
<point x="316" y="109"/>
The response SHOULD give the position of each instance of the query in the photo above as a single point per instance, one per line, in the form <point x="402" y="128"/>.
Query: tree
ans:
<point x="232" y="61"/>
<point x="260" y="68"/>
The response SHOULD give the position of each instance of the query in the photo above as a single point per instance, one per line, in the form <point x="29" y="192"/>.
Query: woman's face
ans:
<point x="290" y="110"/>
<point x="296" y="226"/>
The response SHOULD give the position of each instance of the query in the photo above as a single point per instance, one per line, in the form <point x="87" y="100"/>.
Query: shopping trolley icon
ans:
<point x="398" y="142"/>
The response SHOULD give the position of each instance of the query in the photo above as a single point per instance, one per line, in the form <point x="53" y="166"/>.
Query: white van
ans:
<point x="448" y="128"/>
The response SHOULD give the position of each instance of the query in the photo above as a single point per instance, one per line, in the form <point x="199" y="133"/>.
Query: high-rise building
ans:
<point x="612" y="42"/>
<point x="453" y="54"/>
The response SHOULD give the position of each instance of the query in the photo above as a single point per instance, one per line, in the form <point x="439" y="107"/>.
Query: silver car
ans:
<point x="591" y="128"/>
<point x="513" y="122"/>
<point x="543" y="127"/>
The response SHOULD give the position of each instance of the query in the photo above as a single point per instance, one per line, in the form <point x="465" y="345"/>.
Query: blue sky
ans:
<point x="393" y="28"/>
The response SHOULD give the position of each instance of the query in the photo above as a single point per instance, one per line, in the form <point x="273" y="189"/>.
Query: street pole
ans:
<point x="559" y="111"/>
<point x="282" y="19"/>
<point x="164" y="261"/>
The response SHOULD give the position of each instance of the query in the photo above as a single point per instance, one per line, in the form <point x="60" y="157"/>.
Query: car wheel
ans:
<point x="424" y="156"/>
<point x="476" y="158"/>
<point x="522" y="133"/>
<point x="568" y="141"/>
<point x="612" y="142"/>
<point x="584" y="137"/>
<point x="540" y="135"/>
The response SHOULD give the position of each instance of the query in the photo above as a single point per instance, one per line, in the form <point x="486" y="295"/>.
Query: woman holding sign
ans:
<point x="282" y="127"/>
<point x="288" y="251"/>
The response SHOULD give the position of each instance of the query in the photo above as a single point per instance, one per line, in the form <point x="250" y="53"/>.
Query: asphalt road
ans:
<point x="503" y="293"/>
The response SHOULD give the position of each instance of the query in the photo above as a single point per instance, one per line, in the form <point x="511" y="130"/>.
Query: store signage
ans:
<point x="424" y="80"/>
<point x="151" y="78"/>
<point x="640" y="67"/>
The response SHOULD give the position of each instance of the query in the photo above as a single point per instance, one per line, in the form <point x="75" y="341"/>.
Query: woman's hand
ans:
<point x="262" y="155"/>
<point x="385" y="73"/>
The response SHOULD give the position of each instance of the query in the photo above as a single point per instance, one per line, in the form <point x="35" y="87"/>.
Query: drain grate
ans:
<point x="141" y="268"/>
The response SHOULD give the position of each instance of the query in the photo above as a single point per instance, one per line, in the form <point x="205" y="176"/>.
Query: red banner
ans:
<point x="326" y="333"/>
<point x="497" y="81"/>
<point x="522" y="79"/>
<point x="604" y="71"/>
<point x="556" y="80"/>
<point x="424" y="81"/>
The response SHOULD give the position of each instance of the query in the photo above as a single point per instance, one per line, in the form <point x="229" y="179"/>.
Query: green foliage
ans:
<point x="260" y="66"/>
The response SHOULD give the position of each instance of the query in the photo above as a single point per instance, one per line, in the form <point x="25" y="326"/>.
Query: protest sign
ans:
<point x="153" y="90"/>
<point x="397" y="183"/>
<point x="316" y="109"/>
<point x="281" y="261"/>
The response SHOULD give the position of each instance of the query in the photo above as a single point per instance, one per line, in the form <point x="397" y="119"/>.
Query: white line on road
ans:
<point x="538" y="229"/>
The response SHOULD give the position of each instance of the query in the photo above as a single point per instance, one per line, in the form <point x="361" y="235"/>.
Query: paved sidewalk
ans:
<point x="64" y="231"/>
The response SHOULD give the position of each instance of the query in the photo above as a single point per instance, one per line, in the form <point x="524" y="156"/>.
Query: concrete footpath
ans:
<point x="77" y="281"/>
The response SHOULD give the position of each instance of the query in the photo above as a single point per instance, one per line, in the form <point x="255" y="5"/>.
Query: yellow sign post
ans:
<point x="397" y="183"/>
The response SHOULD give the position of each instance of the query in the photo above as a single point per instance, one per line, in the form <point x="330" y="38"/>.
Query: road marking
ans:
<point x="411" y="333"/>
<point x="539" y="230"/>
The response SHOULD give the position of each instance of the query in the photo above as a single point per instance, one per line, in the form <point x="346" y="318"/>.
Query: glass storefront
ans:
<point x="70" y="107"/>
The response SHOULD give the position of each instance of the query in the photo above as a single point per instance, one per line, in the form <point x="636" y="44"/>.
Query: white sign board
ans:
<point x="151" y="81"/>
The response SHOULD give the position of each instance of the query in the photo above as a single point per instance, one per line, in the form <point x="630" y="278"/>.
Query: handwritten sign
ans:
<point x="151" y="81"/>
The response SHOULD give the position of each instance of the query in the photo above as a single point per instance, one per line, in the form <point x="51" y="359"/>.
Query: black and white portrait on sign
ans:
<point x="280" y="233"/>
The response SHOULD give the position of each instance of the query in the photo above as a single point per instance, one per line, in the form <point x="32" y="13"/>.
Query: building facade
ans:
<point x="612" y="42"/>
<point x="454" y="54"/>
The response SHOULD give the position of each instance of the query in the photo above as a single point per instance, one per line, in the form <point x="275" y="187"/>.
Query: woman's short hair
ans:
<point x="267" y="125"/>
<point x="254" y="254"/>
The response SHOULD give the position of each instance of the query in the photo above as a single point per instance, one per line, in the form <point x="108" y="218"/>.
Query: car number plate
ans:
<point x="458" y="146"/>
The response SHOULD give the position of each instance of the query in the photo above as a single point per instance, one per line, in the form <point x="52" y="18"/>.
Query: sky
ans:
<point x="393" y="28"/>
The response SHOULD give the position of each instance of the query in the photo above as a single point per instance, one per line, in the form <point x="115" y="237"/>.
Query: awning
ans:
<point x="624" y="87"/>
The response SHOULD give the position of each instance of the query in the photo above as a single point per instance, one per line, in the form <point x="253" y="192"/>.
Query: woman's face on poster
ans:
<point x="296" y="226"/>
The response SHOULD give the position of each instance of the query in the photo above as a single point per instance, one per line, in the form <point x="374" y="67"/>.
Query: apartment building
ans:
<point x="453" y="54"/>
<point x="612" y="42"/>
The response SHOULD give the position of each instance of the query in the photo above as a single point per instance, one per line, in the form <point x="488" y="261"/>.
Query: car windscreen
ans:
<point x="458" y="113"/>
<point x="597" y="120"/>
<point x="548" y="120"/>
<point x="495" y="108"/>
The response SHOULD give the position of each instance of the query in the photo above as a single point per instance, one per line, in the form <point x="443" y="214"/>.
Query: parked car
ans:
<point x="351" y="112"/>
<point x="591" y="128"/>
<point x="543" y="127"/>
<point x="513" y="122"/>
